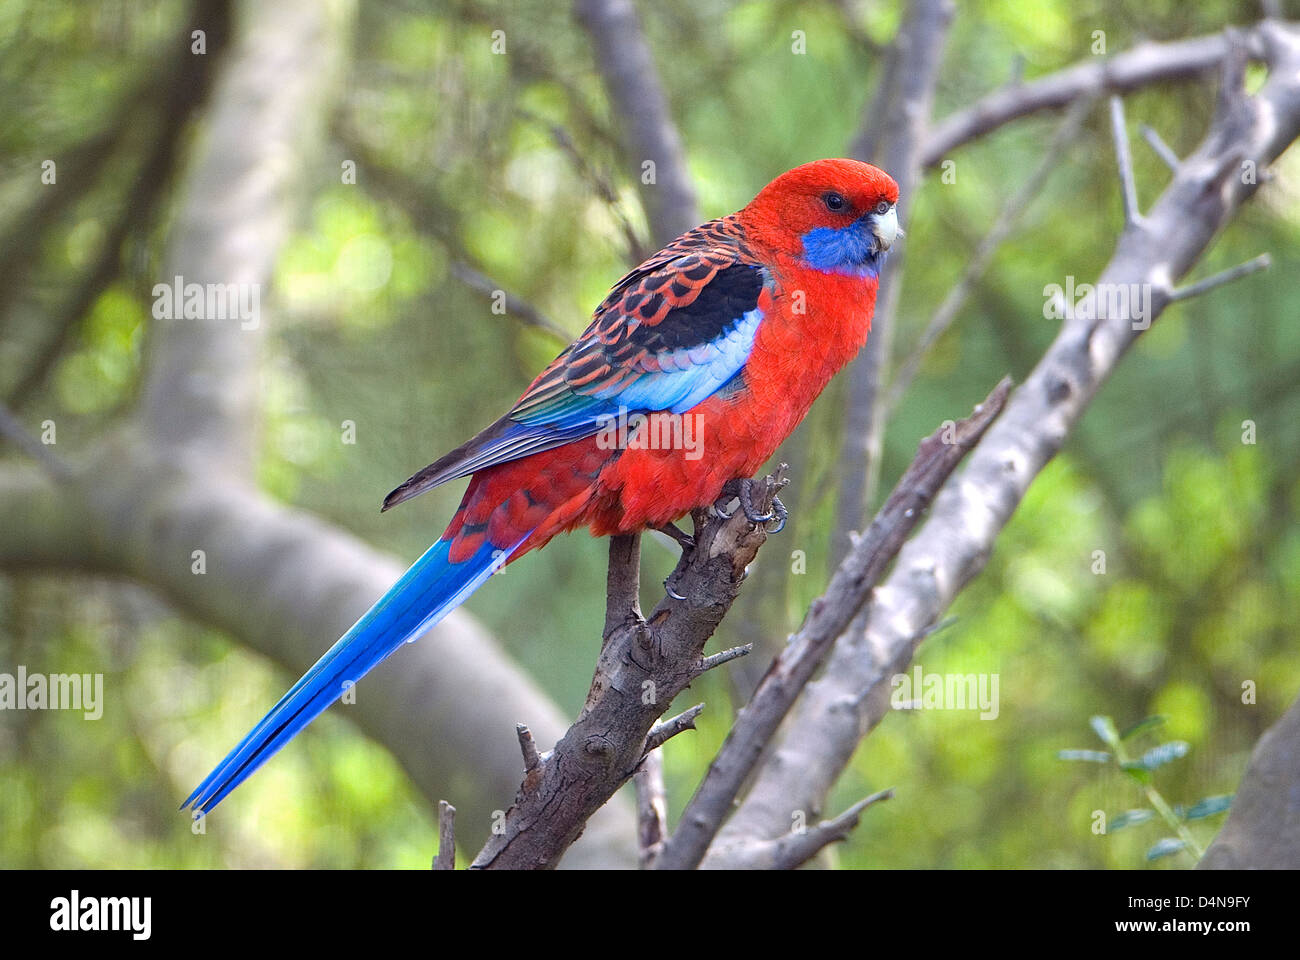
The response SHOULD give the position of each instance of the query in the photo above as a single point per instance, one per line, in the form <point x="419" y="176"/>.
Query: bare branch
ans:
<point x="1162" y="149"/>
<point x="661" y="733"/>
<point x="201" y="386"/>
<point x="828" y="617"/>
<point x="528" y="747"/>
<point x="446" y="858"/>
<point x="852" y="695"/>
<point x="651" y="807"/>
<point x="599" y="184"/>
<point x="1145" y="64"/>
<point x="1124" y="163"/>
<point x="623" y="583"/>
<point x="516" y="307"/>
<point x="643" y="665"/>
<point x="796" y="848"/>
<point x="648" y="132"/>
<point x="1262" y="262"/>
<point x="12" y="429"/>
<point x="724" y="656"/>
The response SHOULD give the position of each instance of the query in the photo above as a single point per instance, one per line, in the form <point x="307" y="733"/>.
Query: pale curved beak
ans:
<point x="884" y="226"/>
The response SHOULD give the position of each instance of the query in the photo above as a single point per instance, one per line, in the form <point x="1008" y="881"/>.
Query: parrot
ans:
<point x="735" y="327"/>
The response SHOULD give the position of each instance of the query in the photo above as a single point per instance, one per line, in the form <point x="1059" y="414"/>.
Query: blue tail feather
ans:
<point x="426" y="593"/>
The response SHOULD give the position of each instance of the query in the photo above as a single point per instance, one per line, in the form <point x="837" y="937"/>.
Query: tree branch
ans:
<point x="852" y="695"/>
<point x="201" y="386"/>
<point x="434" y="217"/>
<point x="796" y="848"/>
<point x="661" y="733"/>
<point x="284" y="583"/>
<point x="520" y="309"/>
<point x="651" y="807"/>
<point x="623" y="583"/>
<point x="1263" y="830"/>
<point x="828" y="617"/>
<point x="1141" y="66"/>
<point x="647" y="130"/>
<point x="1124" y="164"/>
<point x="13" y="430"/>
<point x="446" y="858"/>
<point x="643" y="665"/>
<point x="1162" y="149"/>
<point x="186" y="86"/>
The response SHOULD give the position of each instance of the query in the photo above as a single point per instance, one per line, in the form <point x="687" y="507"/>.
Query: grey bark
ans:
<point x="1141" y="66"/>
<point x="828" y="617"/>
<point x="852" y="695"/>
<point x="644" y="664"/>
<point x="177" y="478"/>
<point x="1263" y="830"/>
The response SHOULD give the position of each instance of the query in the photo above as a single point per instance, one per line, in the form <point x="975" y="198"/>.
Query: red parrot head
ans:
<point x="837" y="216"/>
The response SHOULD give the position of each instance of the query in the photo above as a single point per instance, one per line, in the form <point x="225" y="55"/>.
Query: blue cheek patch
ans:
<point x="849" y="250"/>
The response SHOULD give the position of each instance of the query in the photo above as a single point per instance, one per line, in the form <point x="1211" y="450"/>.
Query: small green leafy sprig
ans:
<point x="1140" y="769"/>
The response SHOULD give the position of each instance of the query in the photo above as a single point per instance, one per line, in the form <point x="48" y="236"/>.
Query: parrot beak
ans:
<point x="884" y="226"/>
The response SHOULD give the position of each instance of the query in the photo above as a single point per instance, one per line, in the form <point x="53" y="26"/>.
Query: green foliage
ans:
<point x="368" y="323"/>
<point x="1140" y="770"/>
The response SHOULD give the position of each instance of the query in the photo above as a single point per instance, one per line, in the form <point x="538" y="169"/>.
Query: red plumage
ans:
<point x="736" y="325"/>
<point x="814" y="322"/>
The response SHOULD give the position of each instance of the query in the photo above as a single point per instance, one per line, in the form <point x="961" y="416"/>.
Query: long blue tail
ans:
<point x="424" y="595"/>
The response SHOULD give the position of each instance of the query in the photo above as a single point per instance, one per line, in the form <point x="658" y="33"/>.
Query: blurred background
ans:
<point x="478" y="170"/>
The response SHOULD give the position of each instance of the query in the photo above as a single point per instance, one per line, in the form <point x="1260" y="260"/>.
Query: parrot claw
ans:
<point x="779" y="515"/>
<point x="747" y="504"/>
<point x="743" y="490"/>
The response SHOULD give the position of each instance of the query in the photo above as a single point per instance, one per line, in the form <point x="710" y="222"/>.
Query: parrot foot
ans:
<point x="780" y="514"/>
<point x="684" y="539"/>
<point x="777" y="513"/>
<point x="743" y="490"/>
<point x="730" y="491"/>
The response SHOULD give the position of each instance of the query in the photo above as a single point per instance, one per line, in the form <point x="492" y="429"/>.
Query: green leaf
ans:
<point x="1159" y="756"/>
<point x="1130" y="817"/>
<point x="1138" y="773"/>
<point x="1142" y="726"/>
<point x="1164" y="848"/>
<point x="1209" y="807"/>
<point x="1104" y="727"/>
<point x="1088" y="756"/>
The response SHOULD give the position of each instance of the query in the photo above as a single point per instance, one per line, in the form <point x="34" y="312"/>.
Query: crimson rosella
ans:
<point x="735" y="326"/>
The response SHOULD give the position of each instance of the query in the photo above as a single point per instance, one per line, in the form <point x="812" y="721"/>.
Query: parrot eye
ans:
<point x="882" y="207"/>
<point x="835" y="203"/>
